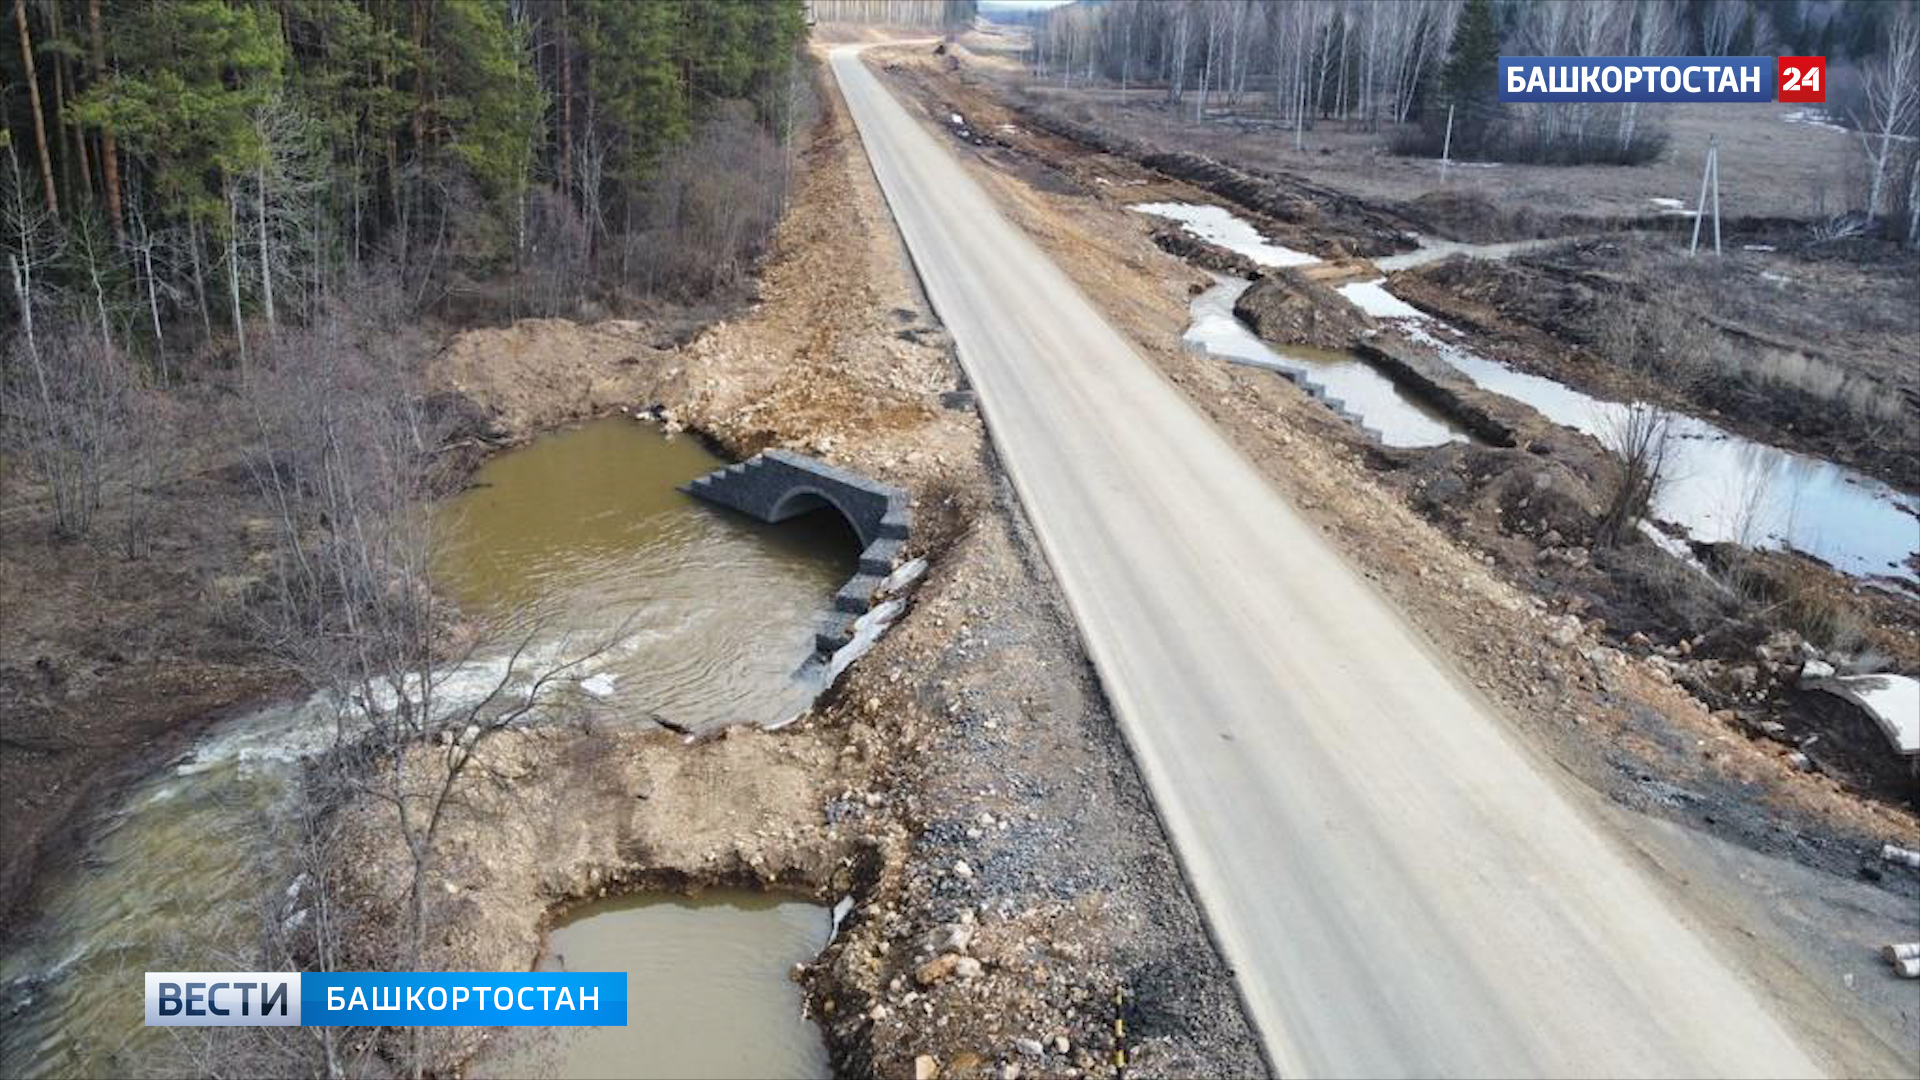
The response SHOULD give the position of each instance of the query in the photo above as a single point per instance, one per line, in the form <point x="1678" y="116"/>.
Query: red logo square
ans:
<point x="1801" y="78"/>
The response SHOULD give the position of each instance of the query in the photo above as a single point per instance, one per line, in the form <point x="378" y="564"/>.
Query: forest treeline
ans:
<point x="929" y="13"/>
<point x="199" y="162"/>
<point x="1377" y="63"/>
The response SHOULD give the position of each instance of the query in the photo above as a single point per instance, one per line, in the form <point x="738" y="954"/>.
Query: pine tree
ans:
<point x="487" y="105"/>
<point x="190" y="76"/>
<point x="1470" y="80"/>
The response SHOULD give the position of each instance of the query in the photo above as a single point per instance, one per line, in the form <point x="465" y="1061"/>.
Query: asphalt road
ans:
<point x="1399" y="888"/>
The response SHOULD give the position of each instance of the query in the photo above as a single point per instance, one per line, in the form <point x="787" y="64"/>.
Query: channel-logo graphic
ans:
<point x="1662" y="78"/>
<point x="386" y="998"/>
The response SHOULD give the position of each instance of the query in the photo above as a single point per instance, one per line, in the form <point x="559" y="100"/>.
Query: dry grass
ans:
<point x="1769" y="168"/>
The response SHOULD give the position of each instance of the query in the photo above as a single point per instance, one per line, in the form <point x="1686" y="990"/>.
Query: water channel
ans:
<point x="1722" y="487"/>
<point x="1399" y="418"/>
<point x="567" y="536"/>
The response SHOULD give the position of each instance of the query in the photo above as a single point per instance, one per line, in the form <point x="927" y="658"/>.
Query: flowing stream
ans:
<point x="565" y="538"/>
<point x="1721" y="486"/>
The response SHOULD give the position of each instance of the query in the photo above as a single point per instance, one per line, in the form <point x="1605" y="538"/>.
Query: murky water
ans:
<point x="173" y="881"/>
<point x="570" y="534"/>
<point x="586" y="528"/>
<point x="709" y="992"/>
<point x="1399" y="418"/>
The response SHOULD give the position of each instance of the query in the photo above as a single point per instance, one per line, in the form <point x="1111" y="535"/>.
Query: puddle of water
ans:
<point x="1724" y="488"/>
<point x="578" y="528"/>
<point x="1217" y="225"/>
<point x="1398" y="418"/>
<point x="586" y="527"/>
<point x="708" y="991"/>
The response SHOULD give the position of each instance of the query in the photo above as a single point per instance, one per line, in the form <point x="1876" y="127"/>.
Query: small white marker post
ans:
<point x="1713" y="159"/>
<point x="1708" y="175"/>
<point x="1446" y="148"/>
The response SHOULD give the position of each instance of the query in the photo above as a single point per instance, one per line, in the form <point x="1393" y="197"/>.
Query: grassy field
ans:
<point x="1769" y="166"/>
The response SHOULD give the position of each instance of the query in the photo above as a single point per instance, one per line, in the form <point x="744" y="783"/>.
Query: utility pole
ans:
<point x="1709" y="178"/>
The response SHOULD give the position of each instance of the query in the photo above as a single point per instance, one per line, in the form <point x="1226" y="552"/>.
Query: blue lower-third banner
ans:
<point x="386" y="998"/>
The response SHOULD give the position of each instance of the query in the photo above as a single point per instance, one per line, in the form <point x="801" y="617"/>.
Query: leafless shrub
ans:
<point x="77" y="413"/>
<point x="1640" y="441"/>
<point x="555" y="257"/>
<point x="304" y="926"/>
<point x="343" y="453"/>
<point x="1794" y="594"/>
<point x="1890" y="85"/>
<point x="1660" y="341"/>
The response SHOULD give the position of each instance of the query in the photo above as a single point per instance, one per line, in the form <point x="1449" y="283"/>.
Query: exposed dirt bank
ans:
<point x="109" y="664"/>
<point x="964" y="782"/>
<point x="1609" y="713"/>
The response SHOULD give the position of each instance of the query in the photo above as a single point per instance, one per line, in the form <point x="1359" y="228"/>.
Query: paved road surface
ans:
<point x="1397" y="886"/>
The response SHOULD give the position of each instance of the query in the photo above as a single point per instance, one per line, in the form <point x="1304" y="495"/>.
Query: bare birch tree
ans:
<point x="1890" y="84"/>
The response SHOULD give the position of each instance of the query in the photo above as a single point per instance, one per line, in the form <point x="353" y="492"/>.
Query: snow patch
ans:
<point x="1819" y="118"/>
<point x="1218" y="225"/>
<point x="1892" y="700"/>
<point x="1373" y="298"/>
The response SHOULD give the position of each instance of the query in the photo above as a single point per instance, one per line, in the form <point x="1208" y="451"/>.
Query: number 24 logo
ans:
<point x="1803" y="79"/>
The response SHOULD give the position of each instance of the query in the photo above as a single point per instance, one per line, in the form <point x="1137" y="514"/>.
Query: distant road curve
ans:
<point x="1398" y="888"/>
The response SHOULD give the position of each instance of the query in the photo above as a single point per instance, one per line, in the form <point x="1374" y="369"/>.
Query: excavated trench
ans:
<point x="1721" y="486"/>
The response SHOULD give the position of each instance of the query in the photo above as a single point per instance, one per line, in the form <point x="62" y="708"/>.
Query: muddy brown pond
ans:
<point x="708" y="991"/>
<point x="586" y="528"/>
<point x="564" y="539"/>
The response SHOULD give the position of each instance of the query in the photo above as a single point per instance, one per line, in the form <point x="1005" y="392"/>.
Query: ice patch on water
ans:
<point x="1373" y="298"/>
